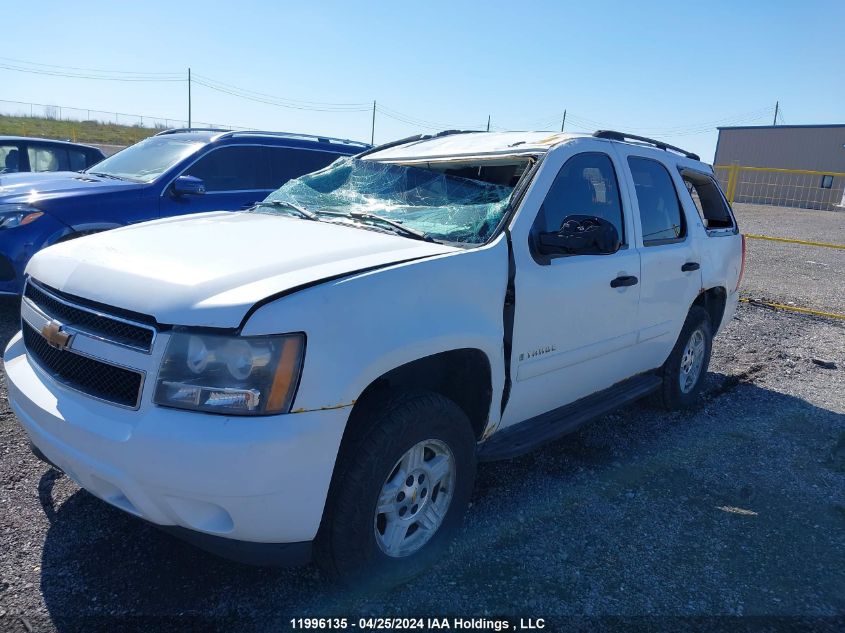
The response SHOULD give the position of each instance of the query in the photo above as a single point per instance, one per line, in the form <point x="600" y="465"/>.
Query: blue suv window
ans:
<point x="231" y="169"/>
<point x="287" y="164"/>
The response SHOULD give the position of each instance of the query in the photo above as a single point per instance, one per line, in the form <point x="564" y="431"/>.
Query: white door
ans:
<point x="575" y="320"/>
<point x="669" y="262"/>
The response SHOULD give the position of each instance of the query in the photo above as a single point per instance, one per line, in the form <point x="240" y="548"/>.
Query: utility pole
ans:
<point x="373" y="131"/>
<point x="777" y="107"/>
<point x="488" y="122"/>
<point x="562" y="123"/>
<point x="189" y="98"/>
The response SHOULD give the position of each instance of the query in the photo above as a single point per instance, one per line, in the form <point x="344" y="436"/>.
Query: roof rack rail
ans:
<point x="309" y="137"/>
<point x="621" y="136"/>
<point x="233" y="133"/>
<point x="177" y="130"/>
<point x="401" y="141"/>
<point x="411" y="139"/>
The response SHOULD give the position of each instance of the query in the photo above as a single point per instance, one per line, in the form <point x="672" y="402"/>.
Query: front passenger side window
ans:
<point x="235" y="168"/>
<point x="585" y="185"/>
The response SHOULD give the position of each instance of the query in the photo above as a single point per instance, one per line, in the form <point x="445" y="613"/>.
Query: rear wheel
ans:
<point x="400" y="490"/>
<point x="683" y="372"/>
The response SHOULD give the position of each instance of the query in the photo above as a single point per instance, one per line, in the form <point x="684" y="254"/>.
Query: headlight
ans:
<point x="235" y="375"/>
<point x="12" y="215"/>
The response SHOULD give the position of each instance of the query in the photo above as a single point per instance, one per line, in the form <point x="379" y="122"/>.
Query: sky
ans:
<point x="670" y="70"/>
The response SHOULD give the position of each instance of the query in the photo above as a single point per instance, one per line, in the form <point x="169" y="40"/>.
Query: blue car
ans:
<point x="22" y="153"/>
<point x="172" y="173"/>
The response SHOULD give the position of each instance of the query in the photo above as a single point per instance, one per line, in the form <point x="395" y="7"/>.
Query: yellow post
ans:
<point x="733" y="174"/>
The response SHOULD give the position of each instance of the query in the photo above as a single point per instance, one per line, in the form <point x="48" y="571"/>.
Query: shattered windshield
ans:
<point x="436" y="204"/>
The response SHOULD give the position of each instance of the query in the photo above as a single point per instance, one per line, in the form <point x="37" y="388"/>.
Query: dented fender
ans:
<point x="360" y="327"/>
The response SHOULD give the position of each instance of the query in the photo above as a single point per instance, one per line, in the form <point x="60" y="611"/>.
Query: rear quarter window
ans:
<point x="77" y="160"/>
<point x="708" y="200"/>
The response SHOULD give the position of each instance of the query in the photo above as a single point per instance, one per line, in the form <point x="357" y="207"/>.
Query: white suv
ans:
<point x="326" y="369"/>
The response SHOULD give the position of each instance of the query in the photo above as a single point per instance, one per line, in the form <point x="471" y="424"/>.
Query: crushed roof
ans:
<point x="473" y="144"/>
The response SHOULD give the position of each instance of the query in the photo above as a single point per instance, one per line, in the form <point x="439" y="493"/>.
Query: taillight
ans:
<point x="742" y="266"/>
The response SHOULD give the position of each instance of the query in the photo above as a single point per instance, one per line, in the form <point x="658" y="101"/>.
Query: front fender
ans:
<point x="360" y="327"/>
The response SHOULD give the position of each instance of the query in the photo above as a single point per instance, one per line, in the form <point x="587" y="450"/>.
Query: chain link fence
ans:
<point x="25" y="109"/>
<point x="801" y="188"/>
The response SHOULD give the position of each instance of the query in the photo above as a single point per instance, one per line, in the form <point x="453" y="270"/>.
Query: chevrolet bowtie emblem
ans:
<point x="52" y="331"/>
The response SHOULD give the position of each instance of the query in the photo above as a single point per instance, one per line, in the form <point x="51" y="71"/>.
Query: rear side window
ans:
<point x="77" y="160"/>
<point x="231" y="169"/>
<point x="43" y="158"/>
<point x="708" y="200"/>
<point x="660" y="210"/>
<point x="585" y="185"/>
<point x="287" y="163"/>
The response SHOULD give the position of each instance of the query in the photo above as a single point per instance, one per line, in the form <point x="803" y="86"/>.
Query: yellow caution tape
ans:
<point x="780" y="306"/>
<point x="791" y="241"/>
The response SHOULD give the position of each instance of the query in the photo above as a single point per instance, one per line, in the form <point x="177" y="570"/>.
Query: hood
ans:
<point x="210" y="269"/>
<point x="31" y="186"/>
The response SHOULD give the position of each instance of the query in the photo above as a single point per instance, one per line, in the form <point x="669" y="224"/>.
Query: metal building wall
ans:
<point x="816" y="147"/>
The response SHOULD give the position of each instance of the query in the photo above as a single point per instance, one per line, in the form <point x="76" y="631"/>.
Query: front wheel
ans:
<point x="400" y="490"/>
<point x="683" y="372"/>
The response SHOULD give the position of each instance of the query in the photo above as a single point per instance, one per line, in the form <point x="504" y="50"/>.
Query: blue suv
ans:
<point x="172" y="173"/>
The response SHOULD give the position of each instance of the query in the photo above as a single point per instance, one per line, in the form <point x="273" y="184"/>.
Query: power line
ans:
<point x="423" y="123"/>
<point x="94" y="70"/>
<point x="232" y="87"/>
<point x="275" y="101"/>
<point x="70" y="75"/>
<point x="573" y="121"/>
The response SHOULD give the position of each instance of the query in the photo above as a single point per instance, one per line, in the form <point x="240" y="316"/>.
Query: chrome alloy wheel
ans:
<point x="415" y="498"/>
<point x="692" y="361"/>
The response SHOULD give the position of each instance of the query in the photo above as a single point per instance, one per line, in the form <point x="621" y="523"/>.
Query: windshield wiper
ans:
<point x="104" y="175"/>
<point x="302" y="211"/>
<point x="396" y="226"/>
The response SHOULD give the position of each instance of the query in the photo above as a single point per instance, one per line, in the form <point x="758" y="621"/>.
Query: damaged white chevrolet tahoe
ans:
<point x="319" y="375"/>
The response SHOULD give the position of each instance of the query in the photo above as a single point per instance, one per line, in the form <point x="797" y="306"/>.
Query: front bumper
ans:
<point x="254" y="480"/>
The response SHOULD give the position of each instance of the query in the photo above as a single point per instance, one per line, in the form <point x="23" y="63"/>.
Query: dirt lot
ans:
<point x="808" y="276"/>
<point x="734" y="509"/>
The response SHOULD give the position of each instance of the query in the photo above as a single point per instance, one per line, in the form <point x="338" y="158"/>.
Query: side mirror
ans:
<point x="188" y="186"/>
<point x="580" y="235"/>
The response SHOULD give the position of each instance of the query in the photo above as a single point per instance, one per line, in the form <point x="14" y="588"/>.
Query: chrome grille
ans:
<point x="105" y="326"/>
<point x="84" y="374"/>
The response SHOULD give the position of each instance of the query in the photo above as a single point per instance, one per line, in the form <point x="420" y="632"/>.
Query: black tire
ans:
<point x="385" y="429"/>
<point x="670" y="395"/>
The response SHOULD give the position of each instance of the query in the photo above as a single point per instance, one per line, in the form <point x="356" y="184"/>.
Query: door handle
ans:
<point x="689" y="267"/>
<point x="624" y="280"/>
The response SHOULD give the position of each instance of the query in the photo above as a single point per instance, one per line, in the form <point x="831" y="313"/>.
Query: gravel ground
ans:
<point x="793" y="223"/>
<point x="806" y="276"/>
<point x="798" y="224"/>
<point x="734" y="509"/>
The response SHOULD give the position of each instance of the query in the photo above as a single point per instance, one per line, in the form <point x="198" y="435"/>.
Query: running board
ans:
<point x="523" y="437"/>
